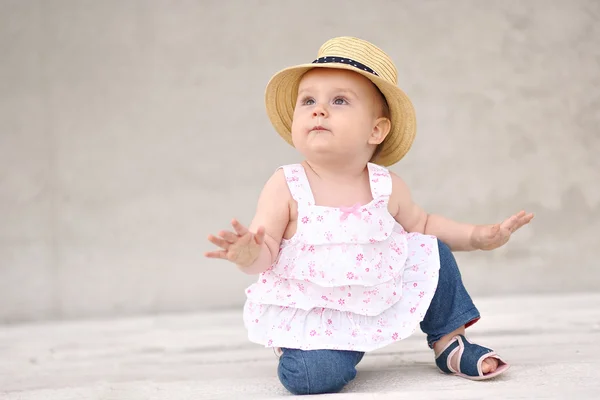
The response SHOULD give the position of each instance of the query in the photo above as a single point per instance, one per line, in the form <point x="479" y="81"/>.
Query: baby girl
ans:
<point x="347" y="262"/>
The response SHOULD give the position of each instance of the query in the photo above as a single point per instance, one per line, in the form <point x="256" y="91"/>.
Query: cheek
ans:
<point x="297" y="131"/>
<point x="357" y="123"/>
<point x="298" y="135"/>
<point x="298" y="116"/>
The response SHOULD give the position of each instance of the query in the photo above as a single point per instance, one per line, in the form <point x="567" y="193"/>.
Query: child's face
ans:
<point x="338" y="114"/>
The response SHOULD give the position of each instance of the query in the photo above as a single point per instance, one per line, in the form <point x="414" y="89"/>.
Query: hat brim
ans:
<point x="282" y="92"/>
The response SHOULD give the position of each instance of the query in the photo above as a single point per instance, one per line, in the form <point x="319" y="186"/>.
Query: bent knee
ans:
<point x="314" y="372"/>
<point x="293" y="373"/>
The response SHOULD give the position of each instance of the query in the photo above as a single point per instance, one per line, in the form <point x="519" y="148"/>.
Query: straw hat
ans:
<point x="364" y="58"/>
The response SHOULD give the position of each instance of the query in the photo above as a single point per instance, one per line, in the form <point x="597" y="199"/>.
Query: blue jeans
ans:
<point x="328" y="371"/>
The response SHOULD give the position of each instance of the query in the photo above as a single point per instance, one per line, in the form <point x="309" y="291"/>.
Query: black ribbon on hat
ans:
<point x="342" y="60"/>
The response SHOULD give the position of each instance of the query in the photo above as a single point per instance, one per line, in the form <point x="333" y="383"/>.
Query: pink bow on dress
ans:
<point x="346" y="211"/>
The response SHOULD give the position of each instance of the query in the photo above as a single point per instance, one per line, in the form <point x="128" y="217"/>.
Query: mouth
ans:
<point x="319" y="128"/>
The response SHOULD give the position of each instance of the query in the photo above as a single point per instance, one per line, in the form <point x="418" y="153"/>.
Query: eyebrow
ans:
<point x="337" y="90"/>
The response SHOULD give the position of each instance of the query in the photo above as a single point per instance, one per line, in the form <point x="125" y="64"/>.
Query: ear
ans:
<point x="380" y="131"/>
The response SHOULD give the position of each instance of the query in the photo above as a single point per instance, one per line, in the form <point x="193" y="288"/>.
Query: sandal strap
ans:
<point x="443" y="359"/>
<point x="471" y="356"/>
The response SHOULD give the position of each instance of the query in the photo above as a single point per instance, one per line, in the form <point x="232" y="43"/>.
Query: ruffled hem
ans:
<point x="327" y="328"/>
<point x="358" y="296"/>
<point x="306" y="296"/>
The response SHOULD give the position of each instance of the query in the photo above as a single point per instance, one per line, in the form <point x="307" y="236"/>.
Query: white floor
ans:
<point x="552" y="342"/>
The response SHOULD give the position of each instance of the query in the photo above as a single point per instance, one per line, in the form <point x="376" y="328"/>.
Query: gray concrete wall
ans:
<point x="129" y="130"/>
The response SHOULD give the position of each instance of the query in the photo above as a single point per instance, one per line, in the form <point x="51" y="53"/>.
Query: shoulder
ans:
<point x="400" y="189"/>
<point x="396" y="179"/>
<point x="276" y="186"/>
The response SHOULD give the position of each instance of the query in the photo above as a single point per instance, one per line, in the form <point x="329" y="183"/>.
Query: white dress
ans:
<point x="349" y="279"/>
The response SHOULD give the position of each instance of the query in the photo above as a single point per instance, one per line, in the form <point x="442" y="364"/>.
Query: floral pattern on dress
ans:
<point x="350" y="278"/>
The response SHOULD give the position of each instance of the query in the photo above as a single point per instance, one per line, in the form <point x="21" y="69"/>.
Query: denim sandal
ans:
<point x="470" y="358"/>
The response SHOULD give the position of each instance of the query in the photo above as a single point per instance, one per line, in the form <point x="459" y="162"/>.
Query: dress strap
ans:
<point x="297" y="181"/>
<point x="380" y="180"/>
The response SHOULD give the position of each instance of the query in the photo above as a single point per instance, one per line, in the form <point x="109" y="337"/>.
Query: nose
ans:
<point x="319" y="111"/>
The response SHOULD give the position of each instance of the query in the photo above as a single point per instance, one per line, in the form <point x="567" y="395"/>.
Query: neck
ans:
<point x="347" y="171"/>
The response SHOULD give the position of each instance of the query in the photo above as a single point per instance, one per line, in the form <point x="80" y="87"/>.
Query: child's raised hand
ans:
<point x="241" y="247"/>
<point x="489" y="237"/>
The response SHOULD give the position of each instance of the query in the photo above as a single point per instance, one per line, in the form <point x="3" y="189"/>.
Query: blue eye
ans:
<point x="339" y="101"/>
<point x="308" y="101"/>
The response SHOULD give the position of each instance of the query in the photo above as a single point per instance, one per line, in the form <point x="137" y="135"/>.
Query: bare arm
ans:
<point x="272" y="214"/>
<point x="254" y="249"/>
<point x="458" y="236"/>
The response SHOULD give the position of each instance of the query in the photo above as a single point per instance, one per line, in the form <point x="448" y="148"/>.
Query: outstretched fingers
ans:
<point x="509" y="224"/>
<point x="232" y="243"/>
<point x="240" y="229"/>
<point x="230" y="237"/>
<point x="219" y="242"/>
<point x="216" y="254"/>
<point x="517" y="221"/>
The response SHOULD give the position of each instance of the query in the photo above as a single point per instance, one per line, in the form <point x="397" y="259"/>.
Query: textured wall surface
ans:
<point x="129" y="130"/>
